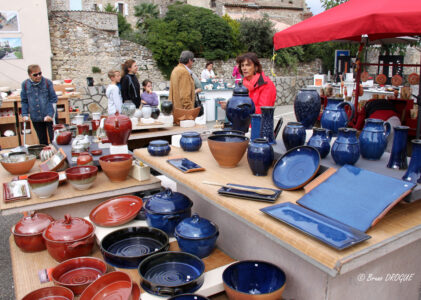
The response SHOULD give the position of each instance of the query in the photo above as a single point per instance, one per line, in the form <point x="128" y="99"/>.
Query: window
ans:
<point x="120" y="8"/>
<point x="96" y="8"/>
<point x="213" y="3"/>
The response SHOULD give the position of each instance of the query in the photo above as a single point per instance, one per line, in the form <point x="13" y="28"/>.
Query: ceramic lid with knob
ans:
<point x="168" y="202"/>
<point x="35" y="223"/>
<point x="68" y="229"/>
<point x="196" y="227"/>
<point x="240" y="90"/>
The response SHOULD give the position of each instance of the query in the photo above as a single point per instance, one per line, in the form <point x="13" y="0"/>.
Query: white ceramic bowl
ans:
<point x="8" y="133"/>
<point x="59" y="93"/>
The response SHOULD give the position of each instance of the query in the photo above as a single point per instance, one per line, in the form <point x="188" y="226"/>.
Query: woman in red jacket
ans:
<point x="261" y="89"/>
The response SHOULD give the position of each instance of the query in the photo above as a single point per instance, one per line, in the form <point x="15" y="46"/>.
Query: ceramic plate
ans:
<point x="116" y="211"/>
<point x="232" y="192"/>
<point x="356" y="197"/>
<point x="185" y="165"/>
<point x="296" y="168"/>
<point x="331" y="232"/>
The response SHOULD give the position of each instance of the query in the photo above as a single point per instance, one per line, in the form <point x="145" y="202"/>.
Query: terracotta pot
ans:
<point x="77" y="273"/>
<point x="19" y="164"/>
<point x="118" y="128"/>
<point x="27" y="233"/>
<point x="64" y="138"/>
<point x="228" y="149"/>
<point x="69" y="238"/>
<point x="116" y="166"/>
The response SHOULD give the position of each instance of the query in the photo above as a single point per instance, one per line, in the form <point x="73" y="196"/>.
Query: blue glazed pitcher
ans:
<point x="307" y="106"/>
<point x="334" y="115"/>
<point x="373" y="138"/>
<point x="346" y="149"/>
<point x="413" y="174"/>
<point x="239" y="108"/>
<point x="321" y="140"/>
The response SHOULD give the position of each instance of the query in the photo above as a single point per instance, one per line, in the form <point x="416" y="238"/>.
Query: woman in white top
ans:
<point x="113" y="93"/>
<point x="207" y="73"/>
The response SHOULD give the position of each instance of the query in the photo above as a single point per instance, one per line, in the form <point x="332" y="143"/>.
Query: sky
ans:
<point x="75" y="4"/>
<point x="315" y="6"/>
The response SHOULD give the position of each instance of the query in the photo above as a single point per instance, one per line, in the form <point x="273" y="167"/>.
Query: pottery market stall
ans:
<point x="313" y="269"/>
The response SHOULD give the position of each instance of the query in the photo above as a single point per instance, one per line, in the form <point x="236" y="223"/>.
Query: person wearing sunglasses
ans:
<point x="38" y="98"/>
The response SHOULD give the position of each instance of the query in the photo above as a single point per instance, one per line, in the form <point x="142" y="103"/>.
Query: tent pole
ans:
<point x="357" y="80"/>
<point x="417" y="135"/>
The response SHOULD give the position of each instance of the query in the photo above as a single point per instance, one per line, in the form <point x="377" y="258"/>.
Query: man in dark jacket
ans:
<point x="38" y="98"/>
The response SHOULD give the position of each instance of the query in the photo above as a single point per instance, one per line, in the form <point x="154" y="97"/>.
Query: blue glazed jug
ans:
<point x="239" y="108"/>
<point x="307" y="106"/>
<point x="346" y="149"/>
<point x="373" y="138"/>
<point x="334" y="115"/>
<point x="321" y="141"/>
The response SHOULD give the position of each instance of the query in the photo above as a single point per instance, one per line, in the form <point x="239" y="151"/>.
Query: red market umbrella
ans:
<point x="378" y="19"/>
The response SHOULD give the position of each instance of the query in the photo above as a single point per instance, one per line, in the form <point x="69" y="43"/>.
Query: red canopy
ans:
<point x="349" y="21"/>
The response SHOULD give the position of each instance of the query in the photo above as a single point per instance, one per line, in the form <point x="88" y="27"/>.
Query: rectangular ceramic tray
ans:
<point x="232" y="192"/>
<point x="356" y="197"/>
<point x="330" y="232"/>
<point x="16" y="190"/>
<point x="185" y="165"/>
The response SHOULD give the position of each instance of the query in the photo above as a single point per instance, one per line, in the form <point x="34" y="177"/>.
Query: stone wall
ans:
<point x="96" y="19"/>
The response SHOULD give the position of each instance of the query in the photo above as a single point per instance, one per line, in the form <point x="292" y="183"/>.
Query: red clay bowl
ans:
<point x="67" y="81"/>
<point x="117" y="283"/>
<point x="228" y="149"/>
<point x="82" y="177"/>
<point x="19" y="164"/>
<point x="96" y="152"/>
<point x="44" y="184"/>
<point x="116" y="166"/>
<point x="50" y="293"/>
<point x="78" y="273"/>
<point x="135" y="292"/>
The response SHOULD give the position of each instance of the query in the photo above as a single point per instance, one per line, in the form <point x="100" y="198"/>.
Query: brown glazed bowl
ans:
<point x="27" y="233"/>
<point x="118" y="283"/>
<point x="52" y="292"/>
<point x="185" y="114"/>
<point x="69" y="238"/>
<point x="19" y="164"/>
<point x="228" y="149"/>
<point x="116" y="166"/>
<point x="77" y="273"/>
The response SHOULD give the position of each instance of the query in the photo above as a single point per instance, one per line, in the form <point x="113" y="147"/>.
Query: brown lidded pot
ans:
<point x="28" y="232"/>
<point x="69" y="237"/>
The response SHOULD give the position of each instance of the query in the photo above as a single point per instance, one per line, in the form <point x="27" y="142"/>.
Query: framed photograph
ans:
<point x="10" y="48"/>
<point x="9" y="21"/>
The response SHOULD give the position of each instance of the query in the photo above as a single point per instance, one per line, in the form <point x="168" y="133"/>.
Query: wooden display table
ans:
<point x="26" y="266"/>
<point x="67" y="195"/>
<point x="166" y="131"/>
<point x="313" y="269"/>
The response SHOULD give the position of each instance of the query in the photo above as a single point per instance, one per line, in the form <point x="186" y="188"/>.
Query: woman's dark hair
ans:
<point x="209" y="63"/>
<point x="125" y="67"/>
<point x="145" y="83"/>
<point x="251" y="57"/>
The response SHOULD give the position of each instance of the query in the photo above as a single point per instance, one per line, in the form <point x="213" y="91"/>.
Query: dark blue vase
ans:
<point x="398" y="157"/>
<point x="260" y="156"/>
<point x="266" y="128"/>
<point x="321" y="141"/>
<point x="413" y="174"/>
<point x="294" y="135"/>
<point x="159" y="148"/>
<point x="307" y="106"/>
<point x="334" y="115"/>
<point x="239" y="108"/>
<point x="256" y="121"/>
<point x="190" y="141"/>
<point x="373" y="138"/>
<point x="346" y="149"/>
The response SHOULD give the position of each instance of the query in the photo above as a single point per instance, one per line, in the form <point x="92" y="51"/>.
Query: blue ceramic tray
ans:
<point x="356" y="197"/>
<point x="185" y="165"/>
<point x="331" y="232"/>
<point x="232" y="192"/>
<point x="296" y="168"/>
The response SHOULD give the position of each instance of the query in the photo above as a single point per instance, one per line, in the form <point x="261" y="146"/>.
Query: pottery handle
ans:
<point x="387" y="128"/>
<point x="342" y="104"/>
<point x="168" y="291"/>
<point x="80" y="243"/>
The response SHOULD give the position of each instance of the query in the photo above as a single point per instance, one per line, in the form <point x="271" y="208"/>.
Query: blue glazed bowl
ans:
<point x="159" y="148"/>
<point x="171" y="273"/>
<point x="188" y="297"/>
<point x="196" y="235"/>
<point x="191" y="141"/>
<point x="228" y="131"/>
<point x="253" y="280"/>
<point x="127" y="247"/>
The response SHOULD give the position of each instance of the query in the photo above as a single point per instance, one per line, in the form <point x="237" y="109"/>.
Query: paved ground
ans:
<point x="6" y="222"/>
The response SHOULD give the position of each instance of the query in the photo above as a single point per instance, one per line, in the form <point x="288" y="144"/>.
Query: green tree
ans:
<point x="238" y="47"/>
<point x="145" y="11"/>
<point x="257" y="36"/>
<point x="327" y="4"/>
<point x="124" y="27"/>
